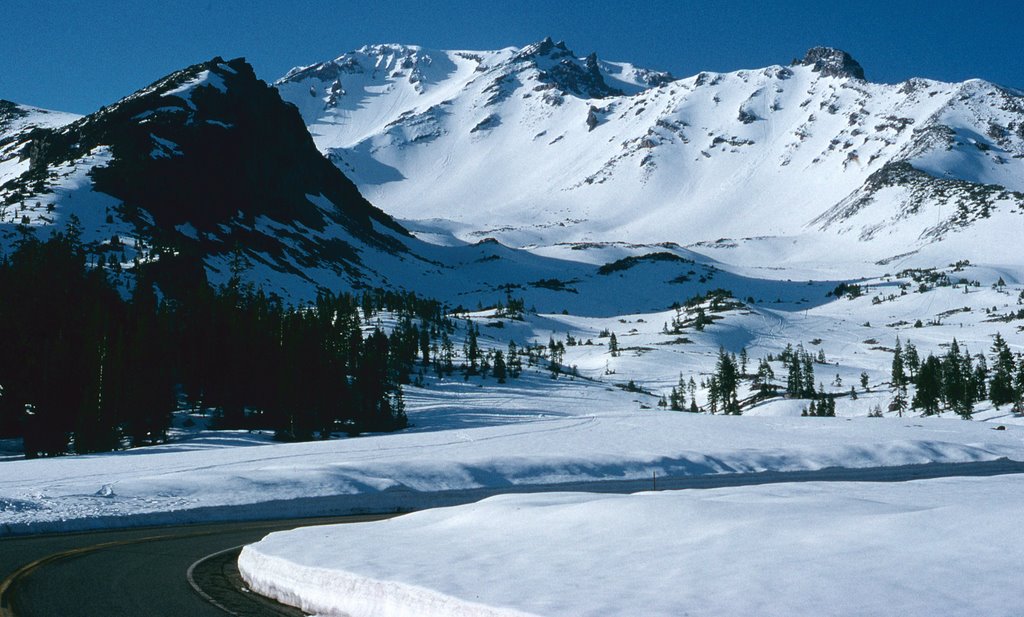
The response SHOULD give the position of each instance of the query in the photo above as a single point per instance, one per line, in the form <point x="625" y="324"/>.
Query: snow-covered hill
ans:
<point x="207" y="168"/>
<point x="539" y="146"/>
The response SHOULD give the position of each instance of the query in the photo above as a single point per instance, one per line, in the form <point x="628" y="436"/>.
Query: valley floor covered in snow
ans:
<point x="843" y="547"/>
<point x="468" y="442"/>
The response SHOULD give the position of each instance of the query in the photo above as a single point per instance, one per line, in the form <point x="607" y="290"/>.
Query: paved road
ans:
<point x="132" y="572"/>
<point x="143" y="571"/>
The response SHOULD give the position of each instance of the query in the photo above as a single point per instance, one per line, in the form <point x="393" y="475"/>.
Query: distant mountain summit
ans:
<point x="832" y="62"/>
<point x="539" y="145"/>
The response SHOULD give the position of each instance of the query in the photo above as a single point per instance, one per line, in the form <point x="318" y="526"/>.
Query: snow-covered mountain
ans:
<point x="205" y="164"/>
<point x="586" y="168"/>
<point x="540" y="146"/>
<point x="207" y="172"/>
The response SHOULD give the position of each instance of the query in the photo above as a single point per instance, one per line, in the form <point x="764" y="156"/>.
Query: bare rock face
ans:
<point x="560" y="68"/>
<point x="832" y="62"/>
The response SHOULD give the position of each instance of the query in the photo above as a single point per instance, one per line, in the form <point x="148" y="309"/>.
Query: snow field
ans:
<point x="946" y="546"/>
<point x="467" y="443"/>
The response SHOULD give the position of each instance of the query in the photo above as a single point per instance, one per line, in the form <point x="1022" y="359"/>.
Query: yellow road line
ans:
<point x="5" y="608"/>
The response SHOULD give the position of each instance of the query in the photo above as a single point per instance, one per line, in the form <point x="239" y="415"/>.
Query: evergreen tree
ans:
<point x="980" y="379"/>
<point x="471" y="349"/>
<point x="807" y="371"/>
<point x="500" y="370"/>
<point x="515" y="363"/>
<point x="425" y="345"/>
<point x="794" y="377"/>
<point x="928" y="386"/>
<point x="764" y="377"/>
<point x="1001" y="387"/>
<point x="956" y="374"/>
<point x="713" y="394"/>
<point x="1018" y="405"/>
<point x="911" y="360"/>
<point x="726" y="380"/>
<point x="447" y="354"/>
<point x="898" y="376"/>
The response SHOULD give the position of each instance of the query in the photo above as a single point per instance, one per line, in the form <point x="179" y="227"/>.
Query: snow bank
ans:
<point x="947" y="546"/>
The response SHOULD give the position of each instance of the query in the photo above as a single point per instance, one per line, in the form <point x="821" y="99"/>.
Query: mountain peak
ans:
<point x="207" y="158"/>
<point x="559" y="67"/>
<point x="546" y="48"/>
<point x="832" y="62"/>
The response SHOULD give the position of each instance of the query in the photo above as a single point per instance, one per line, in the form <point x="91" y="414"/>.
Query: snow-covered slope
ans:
<point x="205" y="167"/>
<point x="538" y="146"/>
<point x="16" y="123"/>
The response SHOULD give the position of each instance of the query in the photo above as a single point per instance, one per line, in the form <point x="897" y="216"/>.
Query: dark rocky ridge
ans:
<point x="568" y="74"/>
<point x="832" y="62"/>
<point x="240" y="148"/>
<point x="9" y="111"/>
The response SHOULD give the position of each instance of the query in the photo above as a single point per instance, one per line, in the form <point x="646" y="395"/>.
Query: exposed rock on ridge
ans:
<point x="832" y="62"/>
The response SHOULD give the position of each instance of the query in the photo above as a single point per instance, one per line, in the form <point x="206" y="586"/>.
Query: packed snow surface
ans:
<point x="933" y="547"/>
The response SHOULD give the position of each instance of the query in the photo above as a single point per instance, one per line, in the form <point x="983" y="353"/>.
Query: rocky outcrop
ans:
<point x="559" y="67"/>
<point x="832" y="62"/>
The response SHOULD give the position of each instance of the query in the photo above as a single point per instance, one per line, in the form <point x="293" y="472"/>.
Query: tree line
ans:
<point x="85" y="368"/>
<point x="956" y="380"/>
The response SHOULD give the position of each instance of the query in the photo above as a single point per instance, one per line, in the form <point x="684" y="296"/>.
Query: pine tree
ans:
<point x="471" y="349"/>
<point x="425" y="344"/>
<point x="764" y="377"/>
<point x="794" y="377"/>
<point x="1018" y="405"/>
<point x="1001" y="388"/>
<point x="980" y="379"/>
<point x="515" y="363"/>
<point x="447" y="354"/>
<point x="898" y="376"/>
<point x="911" y="359"/>
<point x="713" y="394"/>
<point x="929" y="386"/>
<point x="956" y="374"/>
<point x="807" y="374"/>
<point x="727" y="381"/>
<point x="500" y="370"/>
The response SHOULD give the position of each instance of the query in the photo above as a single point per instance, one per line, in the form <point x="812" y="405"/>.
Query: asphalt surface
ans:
<point x="137" y="572"/>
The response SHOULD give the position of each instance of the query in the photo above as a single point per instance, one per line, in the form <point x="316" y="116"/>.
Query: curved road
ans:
<point x="136" y="571"/>
<point x="145" y="571"/>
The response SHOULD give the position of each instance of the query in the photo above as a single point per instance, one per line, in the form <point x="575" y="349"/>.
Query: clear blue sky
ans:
<point x="78" y="55"/>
